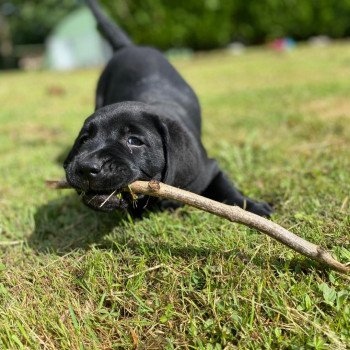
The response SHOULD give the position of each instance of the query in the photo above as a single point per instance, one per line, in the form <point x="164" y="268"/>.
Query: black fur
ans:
<point x="147" y="125"/>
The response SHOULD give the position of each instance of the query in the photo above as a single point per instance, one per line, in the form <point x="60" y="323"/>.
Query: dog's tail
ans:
<point x="114" y="35"/>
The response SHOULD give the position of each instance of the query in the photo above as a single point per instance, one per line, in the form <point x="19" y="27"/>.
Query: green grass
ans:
<point x="71" y="278"/>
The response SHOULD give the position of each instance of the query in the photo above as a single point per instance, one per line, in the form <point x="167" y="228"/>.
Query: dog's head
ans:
<point x="117" y="145"/>
<point x="129" y="141"/>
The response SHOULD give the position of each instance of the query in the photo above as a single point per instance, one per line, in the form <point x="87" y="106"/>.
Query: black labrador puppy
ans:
<point x="147" y="125"/>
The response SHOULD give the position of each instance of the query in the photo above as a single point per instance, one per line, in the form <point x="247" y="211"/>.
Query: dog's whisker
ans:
<point x="145" y="206"/>
<point x="106" y="200"/>
<point x="92" y="198"/>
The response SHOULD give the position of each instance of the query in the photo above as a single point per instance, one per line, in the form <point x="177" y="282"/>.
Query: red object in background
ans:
<point x="282" y="44"/>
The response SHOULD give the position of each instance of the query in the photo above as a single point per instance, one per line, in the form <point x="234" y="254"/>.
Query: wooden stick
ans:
<point x="231" y="213"/>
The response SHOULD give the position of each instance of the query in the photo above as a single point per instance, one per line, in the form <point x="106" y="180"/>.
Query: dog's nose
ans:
<point x="89" y="169"/>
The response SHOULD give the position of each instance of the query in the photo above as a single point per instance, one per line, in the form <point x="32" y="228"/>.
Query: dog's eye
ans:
<point x="134" y="141"/>
<point x="83" y="139"/>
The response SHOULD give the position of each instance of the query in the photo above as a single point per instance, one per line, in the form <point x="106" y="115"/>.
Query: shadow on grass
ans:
<point x="300" y="266"/>
<point x="65" y="224"/>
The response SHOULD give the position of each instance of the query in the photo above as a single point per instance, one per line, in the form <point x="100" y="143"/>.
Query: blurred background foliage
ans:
<point x="198" y="24"/>
<point x="208" y="24"/>
<point x="31" y="21"/>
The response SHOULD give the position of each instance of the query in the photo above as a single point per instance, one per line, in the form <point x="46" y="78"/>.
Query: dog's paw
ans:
<point x="261" y="208"/>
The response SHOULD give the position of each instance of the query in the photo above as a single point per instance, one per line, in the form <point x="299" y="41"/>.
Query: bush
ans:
<point x="175" y="23"/>
<point x="214" y="23"/>
<point x="199" y="24"/>
<point x="32" y="20"/>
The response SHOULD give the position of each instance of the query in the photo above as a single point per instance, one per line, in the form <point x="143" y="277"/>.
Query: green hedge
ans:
<point x="200" y="24"/>
<point x="32" y="20"/>
<point x="214" y="23"/>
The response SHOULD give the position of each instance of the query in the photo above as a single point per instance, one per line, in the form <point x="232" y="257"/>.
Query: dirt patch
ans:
<point x="55" y="90"/>
<point x="328" y="108"/>
<point x="32" y="133"/>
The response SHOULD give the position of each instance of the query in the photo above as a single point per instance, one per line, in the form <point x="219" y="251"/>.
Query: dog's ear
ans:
<point x="187" y="165"/>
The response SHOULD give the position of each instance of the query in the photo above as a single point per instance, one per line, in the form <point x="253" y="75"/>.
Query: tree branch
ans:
<point x="231" y="213"/>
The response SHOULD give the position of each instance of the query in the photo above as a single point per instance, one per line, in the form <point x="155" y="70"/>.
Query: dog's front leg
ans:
<point x="222" y="190"/>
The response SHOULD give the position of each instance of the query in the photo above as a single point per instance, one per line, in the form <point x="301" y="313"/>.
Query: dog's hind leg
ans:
<point x="222" y="190"/>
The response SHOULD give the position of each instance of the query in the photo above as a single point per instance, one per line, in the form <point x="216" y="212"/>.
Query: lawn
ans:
<point x="72" y="278"/>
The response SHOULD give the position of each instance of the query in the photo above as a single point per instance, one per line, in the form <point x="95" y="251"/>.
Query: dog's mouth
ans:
<point x="102" y="196"/>
<point x="105" y="200"/>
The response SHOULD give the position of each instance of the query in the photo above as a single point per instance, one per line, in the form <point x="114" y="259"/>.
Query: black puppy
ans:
<point x="147" y="125"/>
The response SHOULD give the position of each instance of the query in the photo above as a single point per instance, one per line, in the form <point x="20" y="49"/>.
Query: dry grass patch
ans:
<point x="328" y="108"/>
